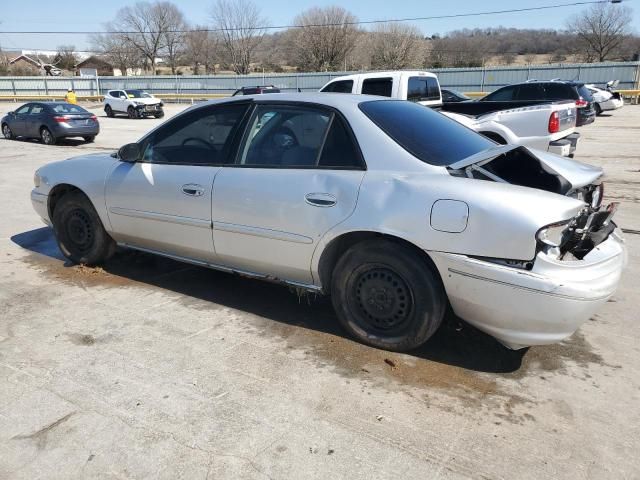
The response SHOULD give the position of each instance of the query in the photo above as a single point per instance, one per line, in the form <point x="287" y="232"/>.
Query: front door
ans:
<point x="18" y="126"/>
<point x="297" y="174"/>
<point x="163" y="201"/>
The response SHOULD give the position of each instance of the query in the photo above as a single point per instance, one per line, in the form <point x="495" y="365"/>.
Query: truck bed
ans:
<point x="478" y="108"/>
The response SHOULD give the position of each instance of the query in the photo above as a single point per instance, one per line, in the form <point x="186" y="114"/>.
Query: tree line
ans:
<point x="236" y="38"/>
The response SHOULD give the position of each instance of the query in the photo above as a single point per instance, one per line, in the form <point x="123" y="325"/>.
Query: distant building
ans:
<point x="24" y="60"/>
<point x="94" y="64"/>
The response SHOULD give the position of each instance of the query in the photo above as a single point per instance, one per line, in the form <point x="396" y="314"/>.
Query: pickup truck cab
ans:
<point x="547" y="126"/>
<point x="415" y="86"/>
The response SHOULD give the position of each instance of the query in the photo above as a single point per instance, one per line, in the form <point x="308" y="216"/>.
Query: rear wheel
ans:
<point x="109" y="111"/>
<point x="47" y="137"/>
<point x="89" y="139"/>
<point x="79" y="231"/>
<point x="387" y="296"/>
<point x="6" y="132"/>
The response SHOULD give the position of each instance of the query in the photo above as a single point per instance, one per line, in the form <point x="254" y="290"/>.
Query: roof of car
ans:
<point x="389" y="73"/>
<point x="336" y="100"/>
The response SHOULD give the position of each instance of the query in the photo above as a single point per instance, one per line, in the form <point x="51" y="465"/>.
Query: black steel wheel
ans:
<point x="387" y="295"/>
<point x="79" y="231"/>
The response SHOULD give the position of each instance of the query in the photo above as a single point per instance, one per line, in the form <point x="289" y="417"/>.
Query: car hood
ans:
<point x="146" y="101"/>
<point x="576" y="173"/>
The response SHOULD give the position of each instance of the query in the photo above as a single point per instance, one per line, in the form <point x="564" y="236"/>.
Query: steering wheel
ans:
<point x="196" y="139"/>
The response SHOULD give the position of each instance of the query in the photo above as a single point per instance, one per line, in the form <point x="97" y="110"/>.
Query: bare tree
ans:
<point x="118" y="51"/>
<point x="146" y="26"/>
<point x="174" y="35"/>
<point x="241" y="29"/>
<point x="396" y="46"/>
<point x="323" y="38"/>
<point x="601" y="29"/>
<point x="201" y="49"/>
<point x="65" y="57"/>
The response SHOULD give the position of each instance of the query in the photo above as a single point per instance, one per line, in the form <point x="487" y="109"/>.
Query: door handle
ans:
<point x="320" y="199"/>
<point x="193" y="190"/>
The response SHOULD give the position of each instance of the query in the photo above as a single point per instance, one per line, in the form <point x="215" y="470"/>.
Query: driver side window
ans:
<point x="23" y="110"/>
<point x="200" y="137"/>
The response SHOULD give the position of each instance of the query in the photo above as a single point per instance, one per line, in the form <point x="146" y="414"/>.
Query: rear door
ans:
<point x="297" y="175"/>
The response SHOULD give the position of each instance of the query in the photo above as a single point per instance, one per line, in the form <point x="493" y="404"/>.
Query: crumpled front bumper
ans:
<point x="521" y="308"/>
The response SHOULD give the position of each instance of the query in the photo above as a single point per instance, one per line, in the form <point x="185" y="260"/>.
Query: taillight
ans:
<point x="581" y="103"/>
<point x="61" y="119"/>
<point x="554" y="123"/>
<point x="94" y="118"/>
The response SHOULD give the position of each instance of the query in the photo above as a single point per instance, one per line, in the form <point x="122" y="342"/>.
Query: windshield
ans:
<point x="424" y="133"/>
<point x="137" y="94"/>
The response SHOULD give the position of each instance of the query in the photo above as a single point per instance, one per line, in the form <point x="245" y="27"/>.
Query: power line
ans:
<point x="336" y="24"/>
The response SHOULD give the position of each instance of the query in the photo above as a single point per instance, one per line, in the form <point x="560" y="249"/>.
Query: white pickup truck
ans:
<point x="543" y="125"/>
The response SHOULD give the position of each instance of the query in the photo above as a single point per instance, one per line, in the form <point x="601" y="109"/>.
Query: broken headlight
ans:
<point x="552" y="234"/>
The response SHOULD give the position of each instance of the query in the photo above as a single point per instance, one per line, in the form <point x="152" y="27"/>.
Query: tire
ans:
<point x="598" y="109"/>
<point x="132" y="112"/>
<point x="47" y="137"/>
<point x="79" y="231"/>
<point x="109" y="111"/>
<point x="387" y="296"/>
<point x="6" y="131"/>
<point x="90" y="139"/>
<point x="159" y="115"/>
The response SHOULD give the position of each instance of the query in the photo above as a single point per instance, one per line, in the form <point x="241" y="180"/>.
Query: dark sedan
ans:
<point x="50" y="122"/>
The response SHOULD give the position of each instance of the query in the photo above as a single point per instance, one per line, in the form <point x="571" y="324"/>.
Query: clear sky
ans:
<point x="88" y="15"/>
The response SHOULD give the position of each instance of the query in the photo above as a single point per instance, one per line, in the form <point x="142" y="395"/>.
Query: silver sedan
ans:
<point x="391" y="208"/>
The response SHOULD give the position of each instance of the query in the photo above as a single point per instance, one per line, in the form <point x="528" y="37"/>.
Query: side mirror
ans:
<point x="130" y="153"/>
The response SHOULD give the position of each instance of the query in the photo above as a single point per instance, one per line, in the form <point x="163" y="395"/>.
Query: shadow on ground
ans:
<point x="456" y="343"/>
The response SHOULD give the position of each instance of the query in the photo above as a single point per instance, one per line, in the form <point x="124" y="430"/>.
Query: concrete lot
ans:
<point x="153" y="369"/>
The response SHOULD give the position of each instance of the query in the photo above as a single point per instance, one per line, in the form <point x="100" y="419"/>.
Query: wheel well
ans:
<point x="495" y="137"/>
<point x="57" y="193"/>
<point x="336" y="248"/>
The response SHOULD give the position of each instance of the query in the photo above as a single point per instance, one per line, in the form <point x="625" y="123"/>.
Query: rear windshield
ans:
<point x="426" y="134"/>
<point x="585" y="93"/>
<point x="67" y="108"/>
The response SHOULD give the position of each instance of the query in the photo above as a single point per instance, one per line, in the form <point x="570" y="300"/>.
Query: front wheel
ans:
<point x="90" y="139"/>
<point x="47" y="137"/>
<point x="6" y="132"/>
<point x="79" y="231"/>
<point x="598" y="109"/>
<point x="159" y="115"/>
<point x="387" y="296"/>
<point x="132" y="112"/>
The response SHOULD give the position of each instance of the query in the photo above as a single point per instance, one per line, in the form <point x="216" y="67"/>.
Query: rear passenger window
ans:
<point x="503" y="95"/>
<point x="377" y="86"/>
<point x="559" y="91"/>
<point x="36" y="110"/>
<point x="530" y="91"/>
<point x="288" y="136"/>
<point x="341" y="86"/>
<point x="339" y="149"/>
<point x="423" y="88"/>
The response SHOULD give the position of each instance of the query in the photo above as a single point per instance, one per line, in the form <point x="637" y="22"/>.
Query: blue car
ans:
<point x="50" y="122"/>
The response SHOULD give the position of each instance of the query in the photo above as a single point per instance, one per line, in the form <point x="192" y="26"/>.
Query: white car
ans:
<point x="392" y="209"/>
<point x="548" y="126"/>
<point x="605" y="100"/>
<point x="133" y="103"/>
